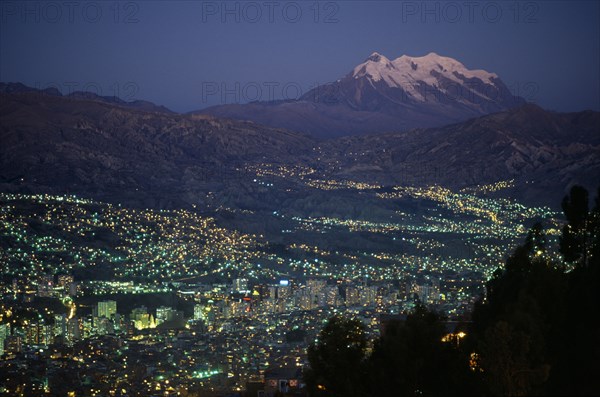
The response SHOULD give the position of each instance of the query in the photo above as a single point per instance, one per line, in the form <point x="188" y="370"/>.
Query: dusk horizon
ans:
<point x="530" y="45"/>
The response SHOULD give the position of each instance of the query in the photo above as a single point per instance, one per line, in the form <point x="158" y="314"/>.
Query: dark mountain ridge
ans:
<point x="11" y="88"/>
<point x="74" y="145"/>
<point x="79" y="144"/>
<point x="542" y="151"/>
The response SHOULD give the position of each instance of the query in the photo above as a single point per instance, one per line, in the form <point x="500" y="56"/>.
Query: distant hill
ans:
<point x="10" y="88"/>
<point x="75" y="144"/>
<point x="99" y="148"/>
<point x="543" y="151"/>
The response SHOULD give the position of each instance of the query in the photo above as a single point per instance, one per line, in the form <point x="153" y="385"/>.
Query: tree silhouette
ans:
<point x="520" y="323"/>
<point x="578" y="352"/>
<point x="535" y="332"/>
<point x="594" y="222"/>
<point x="573" y="242"/>
<point x="506" y="354"/>
<point x="410" y="359"/>
<point x="337" y="360"/>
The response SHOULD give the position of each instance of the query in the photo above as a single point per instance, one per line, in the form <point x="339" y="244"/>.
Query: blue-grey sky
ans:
<point x="187" y="55"/>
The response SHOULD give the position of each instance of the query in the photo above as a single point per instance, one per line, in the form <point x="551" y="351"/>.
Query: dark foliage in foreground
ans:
<point x="534" y="332"/>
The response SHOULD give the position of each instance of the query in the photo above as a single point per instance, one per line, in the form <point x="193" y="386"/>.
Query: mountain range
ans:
<point x="154" y="158"/>
<point x="384" y="95"/>
<point x="543" y="152"/>
<point x="10" y="88"/>
<point x="82" y="145"/>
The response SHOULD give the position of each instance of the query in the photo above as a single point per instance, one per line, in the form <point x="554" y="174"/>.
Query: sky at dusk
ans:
<point x="188" y="55"/>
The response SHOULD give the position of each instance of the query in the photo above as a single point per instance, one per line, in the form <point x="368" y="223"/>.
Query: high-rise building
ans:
<point x="67" y="284"/>
<point x="4" y="333"/>
<point x="316" y="285"/>
<point x="272" y="292"/>
<point x="105" y="326"/>
<point x="352" y="296"/>
<point x="332" y="295"/>
<point x="13" y="344"/>
<point x="118" y="323"/>
<point x="141" y="318"/>
<point x="60" y="325"/>
<point x="46" y="285"/>
<point x="107" y="309"/>
<point x="88" y="326"/>
<point x="162" y="314"/>
<point x="428" y="291"/>
<point x="199" y="312"/>
<point x="240" y="285"/>
<point x="38" y="334"/>
<point x="64" y="281"/>
<point x="283" y="291"/>
<point x="368" y="295"/>
<point x="74" y="327"/>
<point x="304" y="299"/>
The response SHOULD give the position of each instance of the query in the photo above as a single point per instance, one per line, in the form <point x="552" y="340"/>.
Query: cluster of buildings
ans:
<point x="216" y="338"/>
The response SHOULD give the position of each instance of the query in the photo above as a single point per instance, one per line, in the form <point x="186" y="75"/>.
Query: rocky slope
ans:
<point x="544" y="152"/>
<point x="74" y="145"/>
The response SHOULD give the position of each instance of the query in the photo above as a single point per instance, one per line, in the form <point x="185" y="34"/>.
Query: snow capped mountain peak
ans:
<point x="433" y="61"/>
<point x="376" y="67"/>
<point x="376" y="57"/>
<point x="410" y="73"/>
<point x="381" y="94"/>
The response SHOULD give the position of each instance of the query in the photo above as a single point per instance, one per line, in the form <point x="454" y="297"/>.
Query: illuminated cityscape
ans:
<point x="224" y="198"/>
<point x="142" y="301"/>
